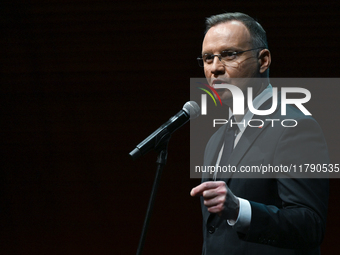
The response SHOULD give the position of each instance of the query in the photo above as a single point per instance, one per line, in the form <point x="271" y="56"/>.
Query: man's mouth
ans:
<point x="218" y="82"/>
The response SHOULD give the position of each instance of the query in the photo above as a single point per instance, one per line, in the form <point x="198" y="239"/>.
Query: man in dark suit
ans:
<point x="281" y="215"/>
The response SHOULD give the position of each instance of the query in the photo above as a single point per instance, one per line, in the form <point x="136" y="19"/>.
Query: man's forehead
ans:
<point x="230" y="26"/>
<point x="232" y="33"/>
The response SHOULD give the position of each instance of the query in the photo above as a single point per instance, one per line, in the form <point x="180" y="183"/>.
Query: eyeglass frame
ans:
<point x="220" y="56"/>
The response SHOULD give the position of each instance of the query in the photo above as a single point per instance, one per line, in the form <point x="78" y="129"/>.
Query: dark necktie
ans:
<point x="229" y="138"/>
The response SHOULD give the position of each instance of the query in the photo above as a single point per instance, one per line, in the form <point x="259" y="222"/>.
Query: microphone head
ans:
<point x="192" y="109"/>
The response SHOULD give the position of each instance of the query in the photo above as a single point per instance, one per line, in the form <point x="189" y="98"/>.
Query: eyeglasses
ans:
<point x="225" y="57"/>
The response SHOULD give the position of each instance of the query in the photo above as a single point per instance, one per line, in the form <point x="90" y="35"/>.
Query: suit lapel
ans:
<point x="212" y="150"/>
<point x="246" y="141"/>
<point x="215" y="147"/>
<point x="248" y="138"/>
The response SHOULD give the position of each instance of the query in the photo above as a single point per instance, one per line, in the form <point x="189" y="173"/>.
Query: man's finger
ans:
<point x="198" y="190"/>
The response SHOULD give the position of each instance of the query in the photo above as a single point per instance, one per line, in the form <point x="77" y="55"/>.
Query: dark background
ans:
<point x="83" y="82"/>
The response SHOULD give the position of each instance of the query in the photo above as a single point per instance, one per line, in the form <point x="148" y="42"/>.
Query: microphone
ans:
<point x="190" y="110"/>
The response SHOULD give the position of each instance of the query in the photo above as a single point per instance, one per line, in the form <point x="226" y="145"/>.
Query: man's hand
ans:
<point x="218" y="198"/>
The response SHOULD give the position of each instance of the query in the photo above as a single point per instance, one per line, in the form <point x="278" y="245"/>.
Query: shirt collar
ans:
<point x="257" y="102"/>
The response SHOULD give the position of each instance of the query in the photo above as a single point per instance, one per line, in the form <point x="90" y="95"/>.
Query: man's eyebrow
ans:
<point x="233" y="49"/>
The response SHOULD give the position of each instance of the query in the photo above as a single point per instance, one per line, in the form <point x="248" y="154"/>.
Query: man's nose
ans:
<point x="217" y="66"/>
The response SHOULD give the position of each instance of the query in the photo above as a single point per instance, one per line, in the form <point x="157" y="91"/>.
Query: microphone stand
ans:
<point x="161" y="161"/>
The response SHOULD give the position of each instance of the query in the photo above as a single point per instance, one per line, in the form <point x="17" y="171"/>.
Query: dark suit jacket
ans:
<point x="288" y="214"/>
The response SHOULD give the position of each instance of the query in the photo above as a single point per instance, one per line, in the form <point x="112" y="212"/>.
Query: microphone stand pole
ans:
<point x="161" y="161"/>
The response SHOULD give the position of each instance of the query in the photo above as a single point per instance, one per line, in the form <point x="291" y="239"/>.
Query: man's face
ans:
<point x="231" y="36"/>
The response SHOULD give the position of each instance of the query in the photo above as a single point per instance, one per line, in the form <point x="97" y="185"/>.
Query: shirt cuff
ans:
<point x="242" y="222"/>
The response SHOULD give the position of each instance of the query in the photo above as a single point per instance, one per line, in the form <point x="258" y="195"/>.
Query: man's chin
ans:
<point x="224" y="94"/>
<point x="227" y="100"/>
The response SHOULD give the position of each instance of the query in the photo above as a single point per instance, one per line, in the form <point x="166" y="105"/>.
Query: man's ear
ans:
<point x="264" y="60"/>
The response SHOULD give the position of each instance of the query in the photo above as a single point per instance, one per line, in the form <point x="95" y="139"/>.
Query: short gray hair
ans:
<point x="257" y="33"/>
